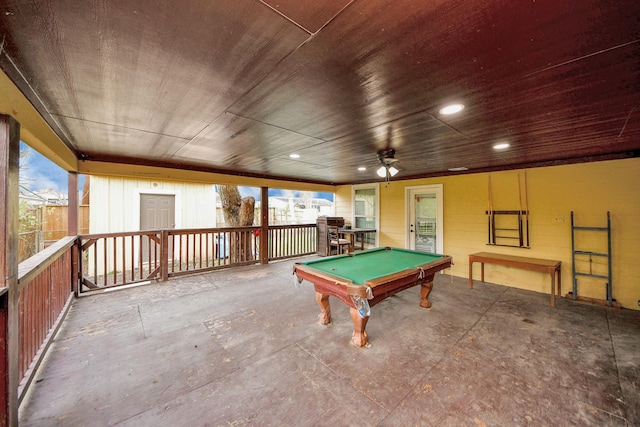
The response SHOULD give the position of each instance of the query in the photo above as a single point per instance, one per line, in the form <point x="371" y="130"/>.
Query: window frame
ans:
<point x="376" y="188"/>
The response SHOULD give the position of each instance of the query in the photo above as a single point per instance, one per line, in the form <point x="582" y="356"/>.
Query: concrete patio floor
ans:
<point x="241" y="347"/>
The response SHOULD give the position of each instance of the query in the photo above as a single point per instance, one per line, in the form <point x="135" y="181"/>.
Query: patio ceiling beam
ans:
<point x="97" y="168"/>
<point x="34" y="130"/>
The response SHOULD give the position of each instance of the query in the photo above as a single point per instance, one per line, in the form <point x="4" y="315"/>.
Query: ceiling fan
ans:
<point x="389" y="165"/>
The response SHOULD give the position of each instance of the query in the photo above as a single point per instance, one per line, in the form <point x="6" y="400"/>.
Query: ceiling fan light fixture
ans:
<point x="387" y="171"/>
<point x="388" y="164"/>
<point x="451" y="109"/>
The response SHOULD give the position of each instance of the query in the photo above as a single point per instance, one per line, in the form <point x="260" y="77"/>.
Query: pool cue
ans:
<point x="526" y="204"/>
<point x="520" y="213"/>
<point x="491" y="229"/>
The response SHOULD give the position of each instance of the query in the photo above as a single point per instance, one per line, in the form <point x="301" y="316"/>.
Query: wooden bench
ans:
<point x="535" y="264"/>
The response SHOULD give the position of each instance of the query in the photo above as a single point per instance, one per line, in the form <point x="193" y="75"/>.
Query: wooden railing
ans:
<point x="286" y="241"/>
<point x="117" y="259"/>
<point x="200" y="250"/>
<point x="113" y="259"/>
<point x="96" y="262"/>
<point x="45" y="292"/>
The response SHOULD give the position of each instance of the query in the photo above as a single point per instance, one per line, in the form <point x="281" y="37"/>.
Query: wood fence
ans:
<point x="51" y="223"/>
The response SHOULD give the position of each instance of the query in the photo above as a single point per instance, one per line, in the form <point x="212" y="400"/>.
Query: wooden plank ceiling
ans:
<point x="236" y="86"/>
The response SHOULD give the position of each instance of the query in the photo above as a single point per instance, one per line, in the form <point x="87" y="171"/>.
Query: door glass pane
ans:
<point x="425" y="214"/>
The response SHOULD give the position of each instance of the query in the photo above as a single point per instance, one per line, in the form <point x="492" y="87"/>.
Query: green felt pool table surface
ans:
<point x="361" y="267"/>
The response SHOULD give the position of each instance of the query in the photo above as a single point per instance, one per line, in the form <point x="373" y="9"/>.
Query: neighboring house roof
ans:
<point x="42" y="197"/>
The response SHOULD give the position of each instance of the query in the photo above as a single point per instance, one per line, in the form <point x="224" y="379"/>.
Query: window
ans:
<point x="366" y="210"/>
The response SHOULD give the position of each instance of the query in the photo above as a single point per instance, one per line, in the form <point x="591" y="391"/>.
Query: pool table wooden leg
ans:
<point x="324" y="318"/>
<point x="359" y="336"/>
<point x="425" y="290"/>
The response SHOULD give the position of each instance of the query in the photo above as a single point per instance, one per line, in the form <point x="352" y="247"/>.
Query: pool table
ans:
<point x="363" y="279"/>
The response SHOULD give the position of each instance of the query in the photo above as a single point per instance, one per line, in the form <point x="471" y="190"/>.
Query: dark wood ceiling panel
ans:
<point x="309" y="14"/>
<point x="389" y="58"/>
<point x="584" y="101"/>
<point x="104" y="140"/>
<point x="167" y="69"/>
<point x="236" y="86"/>
<point x="235" y="142"/>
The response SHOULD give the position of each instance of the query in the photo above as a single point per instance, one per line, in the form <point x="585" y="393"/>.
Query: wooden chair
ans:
<point x="336" y="242"/>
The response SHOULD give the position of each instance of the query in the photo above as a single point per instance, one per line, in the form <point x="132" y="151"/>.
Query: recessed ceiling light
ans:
<point x="451" y="109"/>
<point x="501" y="146"/>
<point x="362" y="168"/>
<point x="294" y="156"/>
<point x="459" y="169"/>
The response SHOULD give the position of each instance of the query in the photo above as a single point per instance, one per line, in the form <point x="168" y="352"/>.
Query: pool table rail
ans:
<point x="386" y="286"/>
<point x="332" y="285"/>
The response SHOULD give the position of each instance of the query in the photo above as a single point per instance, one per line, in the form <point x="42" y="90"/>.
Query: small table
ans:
<point x="551" y="267"/>
<point x="352" y="233"/>
<point x="363" y="279"/>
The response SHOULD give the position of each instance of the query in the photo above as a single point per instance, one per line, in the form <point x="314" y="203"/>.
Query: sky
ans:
<point x="39" y="173"/>
<point x="276" y="192"/>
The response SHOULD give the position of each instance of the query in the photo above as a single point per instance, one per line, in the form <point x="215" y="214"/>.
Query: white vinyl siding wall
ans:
<point x="115" y="203"/>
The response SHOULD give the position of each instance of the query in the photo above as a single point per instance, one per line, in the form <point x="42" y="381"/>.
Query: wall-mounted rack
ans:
<point x="508" y="228"/>
<point x="590" y="255"/>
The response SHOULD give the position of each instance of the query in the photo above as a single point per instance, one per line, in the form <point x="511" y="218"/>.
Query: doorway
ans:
<point x="424" y="216"/>
<point x="157" y="211"/>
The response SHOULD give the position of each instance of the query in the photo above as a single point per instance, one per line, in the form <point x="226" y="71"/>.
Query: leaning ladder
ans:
<point x="591" y="255"/>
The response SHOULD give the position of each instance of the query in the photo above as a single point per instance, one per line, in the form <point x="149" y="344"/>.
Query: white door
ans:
<point x="157" y="211"/>
<point x="424" y="219"/>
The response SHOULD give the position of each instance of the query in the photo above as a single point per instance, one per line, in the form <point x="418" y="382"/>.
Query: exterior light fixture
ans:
<point x="451" y="109"/>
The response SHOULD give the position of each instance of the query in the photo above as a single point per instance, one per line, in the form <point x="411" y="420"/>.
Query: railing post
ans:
<point x="72" y="206"/>
<point x="76" y="266"/>
<point x="164" y="255"/>
<point x="264" y="225"/>
<point x="9" y="300"/>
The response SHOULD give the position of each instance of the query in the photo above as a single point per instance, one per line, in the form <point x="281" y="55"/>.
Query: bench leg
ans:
<point x="559" y="272"/>
<point x="553" y="289"/>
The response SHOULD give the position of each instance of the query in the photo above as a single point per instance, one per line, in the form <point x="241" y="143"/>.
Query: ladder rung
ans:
<point x="590" y="253"/>
<point x="591" y="228"/>
<point x="592" y="275"/>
